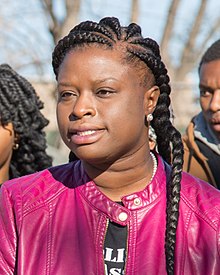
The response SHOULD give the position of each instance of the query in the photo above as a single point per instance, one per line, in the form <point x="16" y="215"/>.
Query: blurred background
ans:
<point x="184" y="29"/>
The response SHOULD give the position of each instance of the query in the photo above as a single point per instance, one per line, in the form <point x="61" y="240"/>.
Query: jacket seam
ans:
<point x="188" y="218"/>
<point x="8" y="240"/>
<point x="218" y="238"/>
<point x="132" y="232"/>
<point x="100" y="242"/>
<point x="198" y="212"/>
<point x="31" y="208"/>
<point x="2" y="260"/>
<point x="49" y="241"/>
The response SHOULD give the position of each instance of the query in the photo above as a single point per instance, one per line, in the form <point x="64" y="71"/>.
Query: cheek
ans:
<point x="204" y="102"/>
<point x="126" y="116"/>
<point x="62" y="120"/>
<point x="6" y="144"/>
<point x="5" y="153"/>
<point x="130" y="108"/>
<point x="62" y="114"/>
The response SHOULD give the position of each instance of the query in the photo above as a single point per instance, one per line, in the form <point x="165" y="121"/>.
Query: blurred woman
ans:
<point x="23" y="142"/>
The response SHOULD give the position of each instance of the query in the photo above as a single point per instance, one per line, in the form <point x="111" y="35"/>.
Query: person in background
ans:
<point x="120" y="208"/>
<point x="22" y="136"/>
<point x="202" y="138"/>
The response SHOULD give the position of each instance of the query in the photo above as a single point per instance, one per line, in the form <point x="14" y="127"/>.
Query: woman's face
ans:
<point x="102" y="105"/>
<point x="6" y="144"/>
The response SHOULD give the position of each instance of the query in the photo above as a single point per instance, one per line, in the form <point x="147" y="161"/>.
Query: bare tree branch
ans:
<point x="53" y="24"/>
<point x="167" y="33"/>
<point x="213" y="30"/>
<point x="134" y="11"/>
<point x="186" y="57"/>
<point x="72" y="12"/>
<point x="59" y="28"/>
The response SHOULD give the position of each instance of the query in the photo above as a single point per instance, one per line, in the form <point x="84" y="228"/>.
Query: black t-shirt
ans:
<point x="115" y="249"/>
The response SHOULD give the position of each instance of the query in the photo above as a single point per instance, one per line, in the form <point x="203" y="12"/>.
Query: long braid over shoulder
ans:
<point x="108" y="33"/>
<point x="20" y="105"/>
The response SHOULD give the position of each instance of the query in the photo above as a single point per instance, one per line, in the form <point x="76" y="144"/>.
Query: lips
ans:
<point x="84" y="135"/>
<point x="215" y="120"/>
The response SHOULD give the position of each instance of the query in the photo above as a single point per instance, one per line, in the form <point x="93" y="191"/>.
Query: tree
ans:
<point x="134" y="11"/>
<point x="58" y="28"/>
<point x="191" y="50"/>
<point x="189" y="56"/>
<point x="191" y="53"/>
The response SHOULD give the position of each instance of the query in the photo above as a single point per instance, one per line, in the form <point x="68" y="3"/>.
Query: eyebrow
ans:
<point x="201" y="86"/>
<point x="106" y="79"/>
<point x="68" y="84"/>
<point x="64" y="84"/>
<point x="204" y="87"/>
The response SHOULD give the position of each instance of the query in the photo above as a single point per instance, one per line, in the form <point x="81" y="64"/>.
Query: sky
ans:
<point x="23" y="36"/>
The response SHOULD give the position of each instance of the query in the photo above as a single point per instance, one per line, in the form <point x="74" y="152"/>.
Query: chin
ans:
<point x="216" y="130"/>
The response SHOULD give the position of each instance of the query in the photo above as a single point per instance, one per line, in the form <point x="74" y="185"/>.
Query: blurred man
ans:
<point x="202" y="138"/>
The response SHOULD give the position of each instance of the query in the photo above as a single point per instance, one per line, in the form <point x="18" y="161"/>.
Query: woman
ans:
<point x="118" y="209"/>
<point x="23" y="142"/>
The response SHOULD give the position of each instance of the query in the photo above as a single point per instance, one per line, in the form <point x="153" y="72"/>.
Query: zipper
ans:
<point x="126" y="251"/>
<point x="106" y="228"/>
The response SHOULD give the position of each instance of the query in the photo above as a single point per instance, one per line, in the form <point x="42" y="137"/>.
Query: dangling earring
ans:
<point x="150" y="117"/>
<point x="15" y="146"/>
<point x="16" y="142"/>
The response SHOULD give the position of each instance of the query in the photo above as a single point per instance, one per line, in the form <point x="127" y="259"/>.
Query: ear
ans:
<point x="17" y="136"/>
<point x="150" y="99"/>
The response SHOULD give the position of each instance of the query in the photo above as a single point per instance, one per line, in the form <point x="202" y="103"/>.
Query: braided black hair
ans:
<point x="108" y="32"/>
<point x="20" y="105"/>
<point x="211" y="54"/>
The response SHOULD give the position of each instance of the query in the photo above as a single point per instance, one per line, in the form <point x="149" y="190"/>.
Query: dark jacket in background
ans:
<point x="195" y="162"/>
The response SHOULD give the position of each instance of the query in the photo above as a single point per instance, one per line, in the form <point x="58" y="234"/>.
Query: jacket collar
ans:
<point x="131" y="202"/>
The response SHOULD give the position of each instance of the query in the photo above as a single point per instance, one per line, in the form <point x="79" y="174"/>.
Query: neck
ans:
<point x="124" y="177"/>
<point x="4" y="169"/>
<point x="4" y="174"/>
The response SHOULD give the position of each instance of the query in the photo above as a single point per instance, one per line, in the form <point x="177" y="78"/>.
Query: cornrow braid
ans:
<point x="162" y="121"/>
<point x="148" y="43"/>
<point x="84" y="33"/>
<point x="20" y="105"/>
<point x="132" y="30"/>
<point x="113" y="24"/>
<point x="92" y="26"/>
<point x="211" y="54"/>
<point x="168" y="138"/>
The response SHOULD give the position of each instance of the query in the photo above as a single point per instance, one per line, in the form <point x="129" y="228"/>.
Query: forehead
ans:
<point x="94" y="53"/>
<point x="105" y="62"/>
<point x="210" y="68"/>
<point x="210" y="74"/>
<point x="95" y="59"/>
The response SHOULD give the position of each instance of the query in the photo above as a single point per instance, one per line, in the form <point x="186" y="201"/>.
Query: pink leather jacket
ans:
<point x="54" y="222"/>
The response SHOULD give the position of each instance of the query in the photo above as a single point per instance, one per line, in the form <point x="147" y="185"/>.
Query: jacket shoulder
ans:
<point x="34" y="190"/>
<point x="201" y="197"/>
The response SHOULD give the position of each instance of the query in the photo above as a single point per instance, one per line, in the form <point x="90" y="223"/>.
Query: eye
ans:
<point x="205" y="92"/>
<point x="66" y="95"/>
<point x="104" y="92"/>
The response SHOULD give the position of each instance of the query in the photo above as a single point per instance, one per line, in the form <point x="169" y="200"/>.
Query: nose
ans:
<point x="84" y="106"/>
<point x="215" y="101"/>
